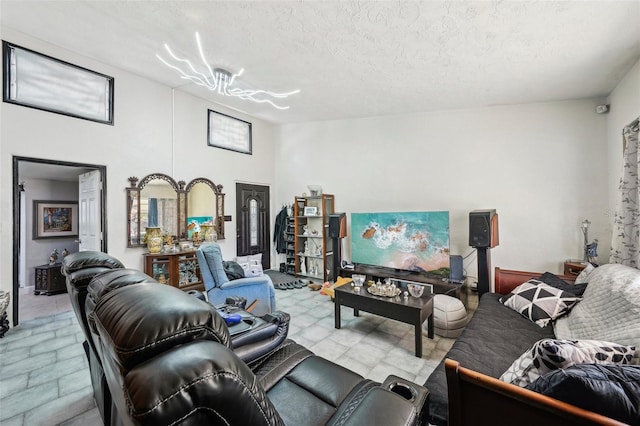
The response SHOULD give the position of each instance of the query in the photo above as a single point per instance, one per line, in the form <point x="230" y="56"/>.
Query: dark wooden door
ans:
<point x="252" y="213"/>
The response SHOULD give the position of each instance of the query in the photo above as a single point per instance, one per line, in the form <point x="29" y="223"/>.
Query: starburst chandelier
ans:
<point x="220" y="80"/>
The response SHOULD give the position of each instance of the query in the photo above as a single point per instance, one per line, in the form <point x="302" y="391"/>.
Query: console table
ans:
<point x="374" y="273"/>
<point x="49" y="280"/>
<point x="178" y="269"/>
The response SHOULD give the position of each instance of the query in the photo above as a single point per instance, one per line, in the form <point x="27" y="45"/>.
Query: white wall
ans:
<point x="153" y="132"/>
<point x="542" y="166"/>
<point x="38" y="251"/>
<point x="624" y="104"/>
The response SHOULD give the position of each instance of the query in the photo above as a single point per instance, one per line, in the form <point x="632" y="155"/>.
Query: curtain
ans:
<point x="152" y="213"/>
<point x="625" y="244"/>
<point x="167" y="211"/>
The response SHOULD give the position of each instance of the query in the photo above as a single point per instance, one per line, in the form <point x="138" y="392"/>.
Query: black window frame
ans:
<point x="7" y="48"/>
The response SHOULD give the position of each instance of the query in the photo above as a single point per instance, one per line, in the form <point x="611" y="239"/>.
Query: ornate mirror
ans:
<point x="154" y="202"/>
<point x="205" y="205"/>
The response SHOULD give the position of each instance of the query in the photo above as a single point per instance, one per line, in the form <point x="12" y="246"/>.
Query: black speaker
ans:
<point x="483" y="228"/>
<point x="456" y="274"/>
<point x="337" y="225"/>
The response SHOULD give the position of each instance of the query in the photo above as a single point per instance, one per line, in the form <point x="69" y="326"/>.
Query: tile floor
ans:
<point x="33" y="306"/>
<point x="44" y="376"/>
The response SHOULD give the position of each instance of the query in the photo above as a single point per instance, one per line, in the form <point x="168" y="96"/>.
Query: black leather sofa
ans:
<point x="169" y="358"/>
<point x="252" y="339"/>
<point x="79" y="269"/>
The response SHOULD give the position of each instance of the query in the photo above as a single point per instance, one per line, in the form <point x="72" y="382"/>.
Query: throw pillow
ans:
<point x="251" y="264"/>
<point x="233" y="270"/>
<point x="583" y="276"/>
<point x="610" y="390"/>
<point x="552" y="354"/>
<point x="557" y="282"/>
<point x="539" y="302"/>
<point x="250" y="259"/>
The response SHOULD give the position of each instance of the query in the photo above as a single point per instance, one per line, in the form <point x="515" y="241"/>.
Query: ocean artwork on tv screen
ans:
<point x="413" y="241"/>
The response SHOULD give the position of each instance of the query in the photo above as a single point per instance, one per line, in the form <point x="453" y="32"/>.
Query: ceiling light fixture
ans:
<point x="220" y="80"/>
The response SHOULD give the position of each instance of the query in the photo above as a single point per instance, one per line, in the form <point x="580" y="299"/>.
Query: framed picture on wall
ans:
<point x="310" y="211"/>
<point x="55" y="219"/>
<point x="224" y="131"/>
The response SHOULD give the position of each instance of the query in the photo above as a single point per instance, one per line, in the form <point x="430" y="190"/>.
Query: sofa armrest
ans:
<point x="253" y="346"/>
<point x="382" y="407"/>
<point x="477" y="399"/>
<point x="250" y="281"/>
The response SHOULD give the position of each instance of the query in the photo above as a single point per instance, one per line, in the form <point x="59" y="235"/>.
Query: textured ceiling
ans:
<point x="358" y="58"/>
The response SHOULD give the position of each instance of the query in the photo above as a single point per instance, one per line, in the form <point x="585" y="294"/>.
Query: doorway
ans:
<point x="253" y="218"/>
<point x="41" y="179"/>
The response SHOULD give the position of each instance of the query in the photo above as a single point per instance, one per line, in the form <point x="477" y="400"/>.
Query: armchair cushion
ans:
<point x="211" y="256"/>
<point x="250" y="281"/>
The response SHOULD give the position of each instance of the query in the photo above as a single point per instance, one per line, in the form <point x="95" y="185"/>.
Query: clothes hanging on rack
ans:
<point x="279" y="236"/>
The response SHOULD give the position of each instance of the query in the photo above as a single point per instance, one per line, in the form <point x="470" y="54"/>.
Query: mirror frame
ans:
<point x="219" y="204"/>
<point x="133" y="192"/>
<point x="182" y="193"/>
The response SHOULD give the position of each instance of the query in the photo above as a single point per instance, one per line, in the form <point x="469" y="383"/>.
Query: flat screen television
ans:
<point x="410" y="241"/>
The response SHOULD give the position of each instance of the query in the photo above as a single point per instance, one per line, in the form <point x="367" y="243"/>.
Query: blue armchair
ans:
<point x="218" y="286"/>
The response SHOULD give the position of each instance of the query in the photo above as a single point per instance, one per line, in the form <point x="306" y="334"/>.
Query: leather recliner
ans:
<point x="79" y="269"/>
<point x="252" y="339"/>
<point x="167" y="359"/>
<point x="251" y="342"/>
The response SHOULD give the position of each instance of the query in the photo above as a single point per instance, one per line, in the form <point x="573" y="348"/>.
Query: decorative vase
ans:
<point x="154" y="239"/>
<point x="209" y="233"/>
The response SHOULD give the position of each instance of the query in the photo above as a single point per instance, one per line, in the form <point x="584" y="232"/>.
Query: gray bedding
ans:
<point x="493" y="339"/>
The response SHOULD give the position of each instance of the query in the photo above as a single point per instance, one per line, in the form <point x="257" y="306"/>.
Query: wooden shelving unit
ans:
<point x="313" y="255"/>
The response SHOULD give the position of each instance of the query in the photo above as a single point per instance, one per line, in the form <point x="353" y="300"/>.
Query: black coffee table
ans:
<point x="410" y="310"/>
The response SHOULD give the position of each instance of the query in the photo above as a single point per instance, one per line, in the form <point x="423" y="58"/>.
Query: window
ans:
<point x="229" y="132"/>
<point x="38" y="81"/>
<point x="253" y="222"/>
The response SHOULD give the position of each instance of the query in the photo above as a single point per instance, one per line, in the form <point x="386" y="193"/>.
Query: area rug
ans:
<point x="282" y="281"/>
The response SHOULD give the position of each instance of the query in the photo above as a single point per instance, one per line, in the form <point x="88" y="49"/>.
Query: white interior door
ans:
<point x="90" y="215"/>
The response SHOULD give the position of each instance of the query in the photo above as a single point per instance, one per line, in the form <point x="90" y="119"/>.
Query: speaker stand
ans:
<point x="337" y="258"/>
<point x="484" y="266"/>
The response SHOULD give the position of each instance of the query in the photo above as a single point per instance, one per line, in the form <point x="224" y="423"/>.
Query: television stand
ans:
<point x="375" y="273"/>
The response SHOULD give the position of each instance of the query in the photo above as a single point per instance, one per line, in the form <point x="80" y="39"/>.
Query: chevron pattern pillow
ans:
<point x="552" y="354"/>
<point x="539" y="302"/>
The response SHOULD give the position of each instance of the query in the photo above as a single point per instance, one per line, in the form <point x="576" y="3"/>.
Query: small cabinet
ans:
<point x="573" y="267"/>
<point x="313" y="256"/>
<point x="180" y="269"/>
<point x="49" y="280"/>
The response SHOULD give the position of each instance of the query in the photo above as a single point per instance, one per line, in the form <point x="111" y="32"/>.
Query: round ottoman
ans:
<point x="449" y="316"/>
